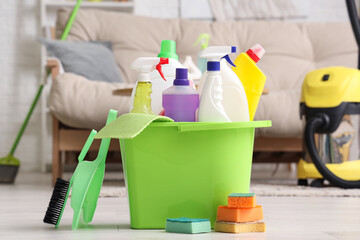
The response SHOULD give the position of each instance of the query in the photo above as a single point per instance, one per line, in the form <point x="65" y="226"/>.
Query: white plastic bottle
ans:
<point x="234" y="98"/>
<point x="168" y="50"/>
<point x="194" y="71"/>
<point x="211" y="108"/>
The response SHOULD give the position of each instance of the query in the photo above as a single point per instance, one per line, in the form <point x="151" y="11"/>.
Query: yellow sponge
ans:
<point x="232" y="227"/>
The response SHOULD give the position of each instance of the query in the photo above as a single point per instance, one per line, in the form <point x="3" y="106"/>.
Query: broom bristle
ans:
<point x="56" y="203"/>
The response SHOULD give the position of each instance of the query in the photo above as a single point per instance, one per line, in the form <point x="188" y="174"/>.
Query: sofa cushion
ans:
<point x="292" y="50"/>
<point x="93" y="60"/>
<point x="93" y="100"/>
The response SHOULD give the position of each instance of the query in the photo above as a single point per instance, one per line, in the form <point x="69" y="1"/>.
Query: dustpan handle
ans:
<point x="104" y="146"/>
<point x="87" y="146"/>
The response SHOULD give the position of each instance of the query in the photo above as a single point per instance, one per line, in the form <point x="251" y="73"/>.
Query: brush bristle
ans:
<point x="56" y="202"/>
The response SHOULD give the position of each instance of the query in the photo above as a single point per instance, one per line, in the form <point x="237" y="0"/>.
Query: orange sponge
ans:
<point x="227" y="214"/>
<point x="242" y="200"/>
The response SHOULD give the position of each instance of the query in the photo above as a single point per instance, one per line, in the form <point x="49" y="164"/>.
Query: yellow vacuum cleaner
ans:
<point x="330" y="98"/>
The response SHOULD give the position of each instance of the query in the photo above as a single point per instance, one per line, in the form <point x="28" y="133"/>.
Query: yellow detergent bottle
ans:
<point x="251" y="77"/>
<point x="145" y="65"/>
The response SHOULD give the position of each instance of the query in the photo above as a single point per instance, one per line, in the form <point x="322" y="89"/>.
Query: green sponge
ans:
<point x="188" y="225"/>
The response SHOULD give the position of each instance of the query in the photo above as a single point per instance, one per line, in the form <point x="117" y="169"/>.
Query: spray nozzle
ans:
<point x="227" y="58"/>
<point x="203" y="39"/>
<point x="216" y="53"/>
<point x="158" y="67"/>
<point x="145" y="65"/>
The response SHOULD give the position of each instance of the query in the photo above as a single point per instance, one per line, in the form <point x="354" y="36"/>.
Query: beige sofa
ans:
<point x="292" y="50"/>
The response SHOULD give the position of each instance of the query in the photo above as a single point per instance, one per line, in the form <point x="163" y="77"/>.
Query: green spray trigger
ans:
<point x="203" y="39"/>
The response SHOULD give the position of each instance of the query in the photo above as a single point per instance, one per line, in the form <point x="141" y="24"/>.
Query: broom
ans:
<point x="9" y="165"/>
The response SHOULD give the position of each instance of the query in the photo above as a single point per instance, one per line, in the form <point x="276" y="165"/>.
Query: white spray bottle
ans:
<point x="168" y="50"/>
<point x="145" y="65"/>
<point x="211" y="108"/>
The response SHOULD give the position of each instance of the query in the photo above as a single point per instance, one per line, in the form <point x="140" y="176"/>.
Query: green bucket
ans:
<point x="175" y="169"/>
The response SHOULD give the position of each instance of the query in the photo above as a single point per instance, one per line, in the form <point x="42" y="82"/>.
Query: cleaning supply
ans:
<point x="85" y="185"/>
<point x="327" y="96"/>
<point x="181" y="101"/>
<point x="62" y="189"/>
<point x="188" y="225"/>
<point x="228" y="214"/>
<point x="211" y="108"/>
<point x="242" y="200"/>
<point x="250" y="75"/>
<point x="234" y="98"/>
<point x="240" y="215"/>
<point x="233" y="227"/>
<point x="9" y="165"/>
<point x="194" y="71"/>
<point x="130" y="125"/>
<point x="168" y="50"/>
<point x="203" y="40"/>
<point x="144" y="65"/>
<point x="167" y="177"/>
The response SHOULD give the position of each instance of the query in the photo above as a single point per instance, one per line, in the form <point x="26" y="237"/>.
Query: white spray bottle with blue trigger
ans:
<point x="211" y="108"/>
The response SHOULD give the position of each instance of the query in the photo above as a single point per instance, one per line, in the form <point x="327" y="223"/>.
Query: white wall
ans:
<point x="315" y="10"/>
<point x="19" y="74"/>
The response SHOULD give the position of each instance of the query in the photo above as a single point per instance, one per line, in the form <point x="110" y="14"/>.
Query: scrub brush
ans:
<point x="85" y="184"/>
<point x="61" y="191"/>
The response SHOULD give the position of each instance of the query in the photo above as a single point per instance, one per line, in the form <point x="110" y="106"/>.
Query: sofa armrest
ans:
<point x="53" y="67"/>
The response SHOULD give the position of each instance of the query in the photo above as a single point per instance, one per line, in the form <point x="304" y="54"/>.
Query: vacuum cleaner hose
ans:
<point x="310" y="130"/>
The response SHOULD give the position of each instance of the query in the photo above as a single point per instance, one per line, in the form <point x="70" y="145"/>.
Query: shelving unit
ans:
<point x="86" y="4"/>
<point x="48" y="10"/>
<point x="50" y="7"/>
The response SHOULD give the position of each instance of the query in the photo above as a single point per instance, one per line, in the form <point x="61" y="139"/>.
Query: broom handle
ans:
<point x="38" y="94"/>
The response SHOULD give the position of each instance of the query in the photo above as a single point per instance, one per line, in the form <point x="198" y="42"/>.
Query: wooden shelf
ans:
<point x="86" y="4"/>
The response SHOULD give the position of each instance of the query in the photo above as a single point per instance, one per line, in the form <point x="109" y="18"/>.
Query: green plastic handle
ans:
<point x="87" y="145"/>
<point x="71" y="20"/>
<point x="203" y="39"/>
<point x="221" y="126"/>
<point x="38" y="94"/>
<point x="104" y="146"/>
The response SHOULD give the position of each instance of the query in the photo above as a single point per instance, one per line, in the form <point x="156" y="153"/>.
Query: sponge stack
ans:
<point x="241" y="215"/>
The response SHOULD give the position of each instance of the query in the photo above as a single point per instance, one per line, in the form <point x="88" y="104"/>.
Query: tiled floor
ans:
<point x="22" y="207"/>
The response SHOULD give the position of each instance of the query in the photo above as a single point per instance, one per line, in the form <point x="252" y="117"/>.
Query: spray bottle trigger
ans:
<point x="227" y="58"/>
<point x="158" y="66"/>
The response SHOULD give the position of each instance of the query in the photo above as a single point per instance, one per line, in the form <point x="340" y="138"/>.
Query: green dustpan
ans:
<point x="87" y="180"/>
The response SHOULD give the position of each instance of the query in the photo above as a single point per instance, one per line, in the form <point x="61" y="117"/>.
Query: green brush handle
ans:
<point x="71" y="20"/>
<point x="38" y="94"/>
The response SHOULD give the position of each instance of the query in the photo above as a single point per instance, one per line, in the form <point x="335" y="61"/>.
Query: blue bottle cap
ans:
<point x="181" y="77"/>
<point x="213" y="66"/>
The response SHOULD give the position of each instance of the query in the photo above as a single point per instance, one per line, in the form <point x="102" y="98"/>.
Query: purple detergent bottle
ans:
<point x="181" y="101"/>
